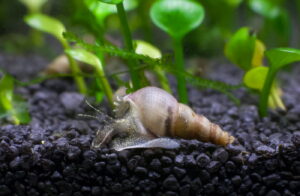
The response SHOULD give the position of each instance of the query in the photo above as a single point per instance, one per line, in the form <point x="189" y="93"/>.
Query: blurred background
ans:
<point x="275" y="22"/>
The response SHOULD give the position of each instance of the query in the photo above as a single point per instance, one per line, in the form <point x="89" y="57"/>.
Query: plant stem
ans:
<point x="75" y="71"/>
<point x="128" y="44"/>
<point x="264" y="95"/>
<point x="105" y="86"/>
<point x="162" y="79"/>
<point x="181" y="83"/>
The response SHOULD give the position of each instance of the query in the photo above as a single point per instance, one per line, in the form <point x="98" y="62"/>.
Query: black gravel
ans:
<point x="52" y="155"/>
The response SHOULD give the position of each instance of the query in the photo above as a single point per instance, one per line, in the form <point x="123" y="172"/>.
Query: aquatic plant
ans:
<point x="12" y="106"/>
<point x="177" y="18"/>
<point x="136" y="77"/>
<point x="91" y="59"/>
<point x="54" y="27"/>
<point x="247" y="52"/>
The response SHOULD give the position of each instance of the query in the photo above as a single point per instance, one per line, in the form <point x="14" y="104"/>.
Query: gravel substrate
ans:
<point x="52" y="155"/>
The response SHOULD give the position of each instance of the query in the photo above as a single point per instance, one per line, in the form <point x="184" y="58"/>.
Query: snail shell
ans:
<point x="150" y="114"/>
<point x="162" y="115"/>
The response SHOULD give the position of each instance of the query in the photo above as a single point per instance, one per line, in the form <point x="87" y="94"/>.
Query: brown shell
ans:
<point x="161" y="115"/>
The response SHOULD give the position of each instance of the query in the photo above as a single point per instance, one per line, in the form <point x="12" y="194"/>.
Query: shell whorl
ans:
<point x="155" y="108"/>
<point x="189" y="125"/>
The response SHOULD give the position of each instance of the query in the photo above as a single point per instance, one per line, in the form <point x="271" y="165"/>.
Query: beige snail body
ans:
<point x="150" y="114"/>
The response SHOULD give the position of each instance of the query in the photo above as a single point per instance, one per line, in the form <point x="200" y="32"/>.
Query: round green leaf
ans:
<point x="280" y="57"/>
<point x="266" y="8"/>
<point x="147" y="49"/>
<point x="46" y="24"/>
<point x="102" y="10"/>
<point x="255" y="77"/>
<point x="177" y="17"/>
<point x="240" y="48"/>
<point x="111" y="1"/>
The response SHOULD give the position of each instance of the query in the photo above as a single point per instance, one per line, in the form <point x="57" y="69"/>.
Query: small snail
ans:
<point x="149" y="116"/>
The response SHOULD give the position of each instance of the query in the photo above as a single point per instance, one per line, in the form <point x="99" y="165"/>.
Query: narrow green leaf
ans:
<point x="255" y="77"/>
<point x="280" y="57"/>
<point x="46" y="24"/>
<point x="111" y="1"/>
<point x="177" y="17"/>
<point x="240" y="48"/>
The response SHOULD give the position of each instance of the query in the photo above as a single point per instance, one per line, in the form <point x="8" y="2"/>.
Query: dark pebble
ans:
<point x="220" y="155"/>
<point x="155" y="164"/>
<point x="4" y="190"/>
<point x="202" y="160"/>
<point x="213" y="166"/>
<point x="171" y="183"/>
<point x="166" y="161"/>
<point x="273" y="193"/>
<point x="179" y="160"/>
<point x="71" y="101"/>
<point x="179" y="172"/>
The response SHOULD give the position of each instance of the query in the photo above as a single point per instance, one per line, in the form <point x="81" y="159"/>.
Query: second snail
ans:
<point x="151" y="117"/>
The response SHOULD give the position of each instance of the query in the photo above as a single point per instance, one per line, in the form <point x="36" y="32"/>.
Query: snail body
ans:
<point x="150" y="114"/>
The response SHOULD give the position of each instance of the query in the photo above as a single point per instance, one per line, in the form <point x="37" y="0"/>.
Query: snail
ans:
<point x="150" y="117"/>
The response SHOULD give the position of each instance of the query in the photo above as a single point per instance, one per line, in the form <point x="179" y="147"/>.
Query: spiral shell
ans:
<point x="151" y="113"/>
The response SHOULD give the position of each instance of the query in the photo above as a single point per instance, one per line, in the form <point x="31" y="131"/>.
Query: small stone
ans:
<point x="155" y="164"/>
<point x="296" y="138"/>
<point x="166" y="161"/>
<point x="185" y="190"/>
<point x="204" y="176"/>
<point x="230" y="166"/>
<point x="179" y="160"/>
<point x="213" y="166"/>
<point x="171" y="183"/>
<point x="71" y="100"/>
<point x="265" y="150"/>
<point x="179" y="172"/>
<point x="140" y="171"/>
<point x="96" y="190"/>
<point x="220" y="155"/>
<point x="190" y="161"/>
<point x="202" y="160"/>
<point x="56" y="176"/>
<point x="273" y="193"/>
<point x="271" y="179"/>
<point x="4" y="190"/>
<point x="236" y="180"/>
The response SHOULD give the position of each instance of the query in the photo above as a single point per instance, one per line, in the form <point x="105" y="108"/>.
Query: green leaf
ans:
<point x="111" y="1"/>
<point x="33" y="5"/>
<point x="279" y="57"/>
<point x="46" y="24"/>
<point x="233" y="3"/>
<point x="11" y="105"/>
<point x="102" y="10"/>
<point x="85" y="56"/>
<point x="240" y="48"/>
<point x="267" y="8"/>
<point x="145" y="48"/>
<point x="177" y="17"/>
<point x="255" y="77"/>
<point x="6" y="92"/>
